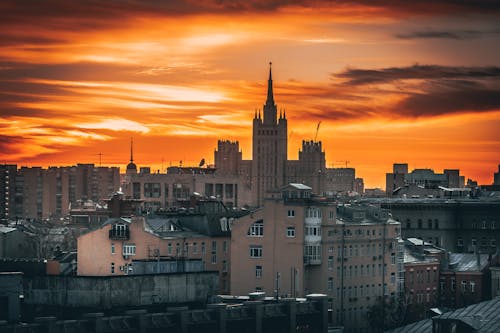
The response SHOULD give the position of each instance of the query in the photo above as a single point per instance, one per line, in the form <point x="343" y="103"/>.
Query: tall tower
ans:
<point x="269" y="147"/>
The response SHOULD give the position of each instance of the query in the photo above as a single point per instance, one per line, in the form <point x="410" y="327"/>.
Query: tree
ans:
<point x="387" y="313"/>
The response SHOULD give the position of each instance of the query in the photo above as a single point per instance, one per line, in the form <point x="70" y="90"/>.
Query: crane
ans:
<point x="317" y="130"/>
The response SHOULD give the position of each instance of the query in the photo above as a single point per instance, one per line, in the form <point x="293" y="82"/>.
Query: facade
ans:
<point x="191" y="238"/>
<point x="7" y="192"/>
<point x="298" y="244"/>
<point x="464" y="279"/>
<point x="15" y="243"/>
<point x="422" y="267"/>
<point x="36" y="193"/>
<point x="457" y="225"/>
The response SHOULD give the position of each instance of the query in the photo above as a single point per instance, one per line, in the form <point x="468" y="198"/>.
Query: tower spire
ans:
<point x="270" y="96"/>
<point x="131" y="150"/>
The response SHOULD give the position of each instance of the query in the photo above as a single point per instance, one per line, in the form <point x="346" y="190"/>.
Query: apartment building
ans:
<point x="298" y="244"/>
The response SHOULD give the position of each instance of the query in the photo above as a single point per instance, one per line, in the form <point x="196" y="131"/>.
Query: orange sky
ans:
<point x="390" y="81"/>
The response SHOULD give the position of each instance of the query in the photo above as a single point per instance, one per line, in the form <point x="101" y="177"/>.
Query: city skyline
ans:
<point x="389" y="82"/>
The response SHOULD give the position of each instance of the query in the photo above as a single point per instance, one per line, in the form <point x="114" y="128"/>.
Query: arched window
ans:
<point x="256" y="229"/>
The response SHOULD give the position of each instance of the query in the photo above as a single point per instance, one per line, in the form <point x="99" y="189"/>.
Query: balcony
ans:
<point x="119" y="234"/>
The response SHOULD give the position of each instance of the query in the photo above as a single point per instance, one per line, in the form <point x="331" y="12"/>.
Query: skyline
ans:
<point x="389" y="81"/>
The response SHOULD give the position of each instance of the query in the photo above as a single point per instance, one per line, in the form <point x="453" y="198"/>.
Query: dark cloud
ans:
<point x="434" y="103"/>
<point x="441" y="89"/>
<point x="455" y="34"/>
<point x="111" y="10"/>
<point x="425" y="72"/>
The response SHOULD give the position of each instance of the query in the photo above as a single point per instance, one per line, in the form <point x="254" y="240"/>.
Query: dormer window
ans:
<point x="119" y="231"/>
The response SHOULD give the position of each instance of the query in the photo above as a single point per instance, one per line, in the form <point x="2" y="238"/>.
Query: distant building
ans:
<point x="459" y="225"/>
<point x="496" y="177"/>
<point x="238" y="182"/>
<point x="421" y="178"/>
<point x="8" y="174"/>
<point x="36" y="193"/>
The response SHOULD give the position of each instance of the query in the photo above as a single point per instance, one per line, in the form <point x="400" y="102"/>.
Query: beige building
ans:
<point x="298" y="244"/>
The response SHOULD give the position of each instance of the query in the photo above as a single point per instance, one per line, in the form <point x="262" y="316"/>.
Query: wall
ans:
<point x="109" y="292"/>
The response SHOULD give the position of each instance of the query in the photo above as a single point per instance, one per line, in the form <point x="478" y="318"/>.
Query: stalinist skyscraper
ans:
<point x="269" y="147"/>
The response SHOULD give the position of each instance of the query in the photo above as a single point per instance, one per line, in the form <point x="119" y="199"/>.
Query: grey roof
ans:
<point x="467" y="262"/>
<point x="422" y="326"/>
<point x="482" y="316"/>
<point x="300" y="186"/>
<point x="4" y="230"/>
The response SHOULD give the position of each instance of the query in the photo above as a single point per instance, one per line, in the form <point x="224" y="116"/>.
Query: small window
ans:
<point x="291" y="213"/>
<point x="255" y="251"/>
<point x="258" y="272"/>
<point x="290" y="232"/>
<point x="112" y="248"/>
<point x="129" y="250"/>
<point x="112" y="268"/>
<point x="472" y="285"/>
<point x="330" y="284"/>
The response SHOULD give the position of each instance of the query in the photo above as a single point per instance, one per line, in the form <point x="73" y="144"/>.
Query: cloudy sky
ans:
<point x="390" y="81"/>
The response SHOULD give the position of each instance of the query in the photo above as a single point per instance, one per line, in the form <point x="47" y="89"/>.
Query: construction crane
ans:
<point x="100" y="158"/>
<point x="317" y="130"/>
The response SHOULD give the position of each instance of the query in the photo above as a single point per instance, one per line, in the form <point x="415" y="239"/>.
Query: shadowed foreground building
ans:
<point x="298" y="243"/>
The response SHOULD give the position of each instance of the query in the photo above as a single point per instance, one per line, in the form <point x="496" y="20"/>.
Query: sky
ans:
<point x="391" y="81"/>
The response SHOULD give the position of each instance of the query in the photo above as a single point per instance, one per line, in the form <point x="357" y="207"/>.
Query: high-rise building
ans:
<point x="269" y="147"/>
<point x="8" y="174"/>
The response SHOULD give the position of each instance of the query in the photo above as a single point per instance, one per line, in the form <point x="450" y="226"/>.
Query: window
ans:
<point x="224" y="266"/>
<point x="393" y="259"/>
<point x="258" y="272"/>
<point x="112" y="268"/>
<point x="255" y="251"/>
<point x="291" y="213"/>
<point x="330" y="284"/>
<point x="214" y="252"/>
<point x="186" y="249"/>
<point x="129" y="250"/>
<point x="472" y="285"/>
<point x="224" y="246"/>
<point x="195" y="248"/>
<point x="331" y="215"/>
<point x="203" y="249"/>
<point x="112" y="248"/>
<point x="453" y="285"/>
<point x="464" y="286"/>
<point x="169" y="248"/>
<point x="290" y="232"/>
<point x="330" y="263"/>
<point x="460" y="241"/>
<point x="152" y="190"/>
<point x="256" y="229"/>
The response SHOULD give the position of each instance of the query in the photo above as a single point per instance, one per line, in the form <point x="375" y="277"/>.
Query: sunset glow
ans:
<point x="390" y="81"/>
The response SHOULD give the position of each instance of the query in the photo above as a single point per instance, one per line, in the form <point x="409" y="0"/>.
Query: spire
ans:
<point x="131" y="150"/>
<point x="270" y="97"/>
